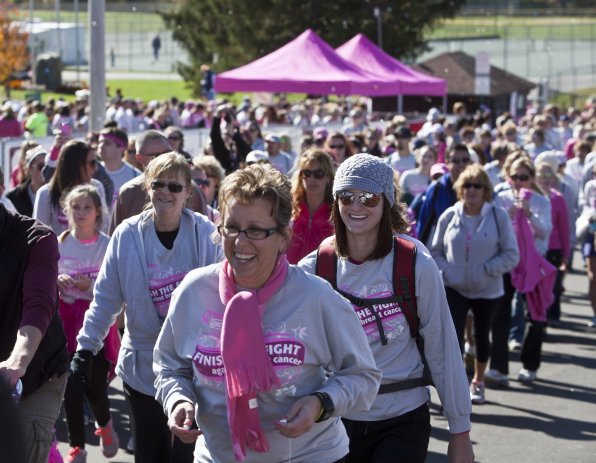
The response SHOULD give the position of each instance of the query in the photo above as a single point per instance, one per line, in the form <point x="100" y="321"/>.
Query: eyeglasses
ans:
<point x="458" y="161"/>
<point x="317" y="173"/>
<point x="252" y="233"/>
<point x="201" y="181"/>
<point x="365" y="198"/>
<point x="520" y="177"/>
<point x="174" y="137"/>
<point x="337" y="147"/>
<point x="154" y="155"/>
<point x="476" y="186"/>
<point x="173" y="187"/>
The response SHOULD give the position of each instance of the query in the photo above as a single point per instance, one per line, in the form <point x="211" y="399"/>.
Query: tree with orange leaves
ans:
<point x="14" y="55"/>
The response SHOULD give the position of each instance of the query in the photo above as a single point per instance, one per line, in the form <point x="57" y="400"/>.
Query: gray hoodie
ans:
<point x="124" y="279"/>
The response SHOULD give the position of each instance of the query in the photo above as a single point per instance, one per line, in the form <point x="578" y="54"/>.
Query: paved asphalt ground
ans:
<point x="550" y="421"/>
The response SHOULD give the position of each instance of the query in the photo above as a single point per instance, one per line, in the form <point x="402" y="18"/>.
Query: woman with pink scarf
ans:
<point x="264" y="356"/>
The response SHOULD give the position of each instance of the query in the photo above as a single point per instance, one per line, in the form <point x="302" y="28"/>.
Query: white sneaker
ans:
<point x="130" y="445"/>
<point x="514" y="345"/>
<point x="592" y="323"/>
<point x="469" y="349"/>
<point x="477" y="392"/>
<point x="526" y="376"/>
<point x="496" y="378"/>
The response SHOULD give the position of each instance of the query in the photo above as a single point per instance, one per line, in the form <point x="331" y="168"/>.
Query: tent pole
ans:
<point x="445" y="104"/>
<point x="400" y="104"/>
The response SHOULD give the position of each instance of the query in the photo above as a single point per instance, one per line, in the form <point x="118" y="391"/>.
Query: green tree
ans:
<point x="238" y="31"/>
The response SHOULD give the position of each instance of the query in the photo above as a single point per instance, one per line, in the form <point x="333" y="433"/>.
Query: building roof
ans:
<point x="458" y="68"/>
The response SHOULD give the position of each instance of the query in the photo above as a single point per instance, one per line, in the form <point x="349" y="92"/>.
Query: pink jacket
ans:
<point x="309" y="231"/>
<point x="534" y="276"/>
<point x="559" y="236"/>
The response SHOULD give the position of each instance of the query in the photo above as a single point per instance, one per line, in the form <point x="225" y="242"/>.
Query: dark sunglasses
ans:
<point x="365" y="198"/>
<point x="317" y="173"/>
<point x="460" y="161"/>
<point x="173" y="187"/>
<point x="521" y="177"/>
<point x="174" y="137"/>
<point x="201" y="181"/>
<point x="476" y="186"/>
<point x="337" y="147"/>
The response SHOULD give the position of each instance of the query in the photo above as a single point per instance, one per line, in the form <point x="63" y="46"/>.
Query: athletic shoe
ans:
<point x="477" y="392"/>
<point x="130" y="445"/>
<point x="108" y="440"/>
<point x="76" y="455"/>
<point x="514" y="345"/>
<point x="496" y="378"/>
<point x="526" y="376"/>
<point x="469" y="349"/>
<point x="592" y="323"/>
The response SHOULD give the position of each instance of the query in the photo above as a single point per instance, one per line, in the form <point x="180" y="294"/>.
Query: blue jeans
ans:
<point x="518" y="318"/>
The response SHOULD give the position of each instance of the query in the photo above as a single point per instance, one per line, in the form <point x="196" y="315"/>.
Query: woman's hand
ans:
<point x="65" y="282"/>
<point x="300" y="418"/>
<point x="180" y="422"/>
<point x="82" y="282"/>
<point x="460" y="449"/>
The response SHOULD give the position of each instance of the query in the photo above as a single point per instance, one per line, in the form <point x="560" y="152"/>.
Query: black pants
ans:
<point x="483" y="309"/>
<point x="531" y="351"/>
<point x="555" y="257"/>
<point x="403" y="439"/>
<point x="152" y="437"/>
<point x="499" y="354"/>
<point x="97" y="395"/>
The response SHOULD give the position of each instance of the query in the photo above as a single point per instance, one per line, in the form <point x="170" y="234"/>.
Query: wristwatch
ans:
<point x="327" y="407"/>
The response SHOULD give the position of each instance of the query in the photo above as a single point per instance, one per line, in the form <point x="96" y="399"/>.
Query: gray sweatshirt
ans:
<point x="400" y="359"/>
<point x="308" y="330"/>
<point x="124" y="278"/>
<point x="475" y="268"/>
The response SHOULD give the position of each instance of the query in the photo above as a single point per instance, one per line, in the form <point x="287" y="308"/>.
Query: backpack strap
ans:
<point x="326" y="266"/>
<point x="404" y="271"/>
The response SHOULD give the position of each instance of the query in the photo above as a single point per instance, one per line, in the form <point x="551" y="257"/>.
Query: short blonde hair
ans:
<point x="476" y="174"/>
<point x="170" y="163"/>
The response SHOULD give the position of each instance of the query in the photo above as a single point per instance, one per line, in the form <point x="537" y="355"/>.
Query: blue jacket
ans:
<point x="440" y="195"/>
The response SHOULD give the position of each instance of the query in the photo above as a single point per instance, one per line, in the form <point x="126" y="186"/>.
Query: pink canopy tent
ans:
<point x="307" y="64"/>
<point x="367" y="55"/>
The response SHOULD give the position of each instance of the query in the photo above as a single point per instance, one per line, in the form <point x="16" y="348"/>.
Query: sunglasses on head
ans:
<point x="476" y="186"/>
<point x="317" y="173"/>
<point x="173" y="187"/>
<point x="457" y="161"/>
<point x="365" y="198"/>
<point x="520" y="177"/>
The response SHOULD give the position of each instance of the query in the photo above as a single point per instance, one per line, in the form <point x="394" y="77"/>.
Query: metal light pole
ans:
<point x="377" y="14"/>
<point x="77" y="40"/>
<point x="58" y="31"/>
<point x="97" y="64"/>
<point x="32" y="46"/>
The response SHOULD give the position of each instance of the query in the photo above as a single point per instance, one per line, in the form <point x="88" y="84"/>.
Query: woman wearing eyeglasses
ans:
<point x="147" y="258"/>
<point x="474" y="246"/>
<point x="76" y="165"/>
<point x="522" y="200"/>
<point x="370" y="225"/>
<point x="311" y="203"/>
<point x="263" y="355"/>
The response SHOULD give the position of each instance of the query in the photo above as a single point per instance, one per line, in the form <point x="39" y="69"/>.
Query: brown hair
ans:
<point x="474" y="173"/>
<point x="170" y="163"/>
<point x="81" y="191"/>
<point x="311" y="156"/>
<point x="258" y="181"/>
<point x="393" y="220"/>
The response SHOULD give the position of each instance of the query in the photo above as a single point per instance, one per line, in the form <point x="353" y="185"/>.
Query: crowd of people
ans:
<point x="198" y="277"/>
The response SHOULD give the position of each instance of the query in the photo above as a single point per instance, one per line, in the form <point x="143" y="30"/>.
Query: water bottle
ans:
<point x="17" y="390"/>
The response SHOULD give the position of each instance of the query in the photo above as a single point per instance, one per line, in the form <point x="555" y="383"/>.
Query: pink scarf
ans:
<point x="247" y="364"/>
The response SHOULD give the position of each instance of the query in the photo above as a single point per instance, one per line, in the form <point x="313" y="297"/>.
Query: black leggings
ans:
<point x="97" y="395"/>
<point x="483" y="310"/>
<point x="403" y="439"/>
<point x="152" y="437"/>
